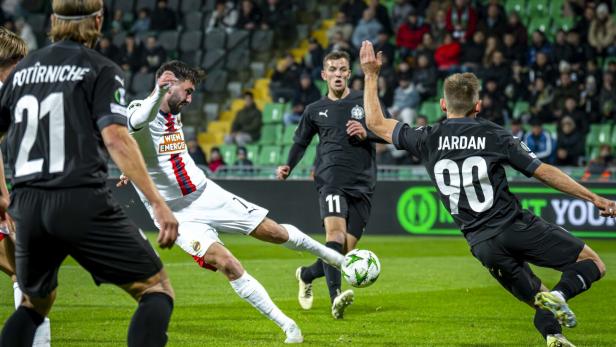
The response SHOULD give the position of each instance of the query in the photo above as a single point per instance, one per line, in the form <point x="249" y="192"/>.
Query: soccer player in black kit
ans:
<point x="63" y="107"/>
<point x="464" y="156"/>
<point x="345" y="174"/>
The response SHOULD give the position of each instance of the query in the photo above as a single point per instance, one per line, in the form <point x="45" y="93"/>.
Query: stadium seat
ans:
<point x="191" y="6"/>
<point x="252" y="152"/>
<point x="308" y="159"/>
<point x="214" y="60"/>
<point x="518" y="6"/>
<point x="605" y="134"/>
<point x="592" y="138"/>
<point x="216" y="82"/>
<point x="193" y="58"/>
<point x="118" y="39"/>
<point x="173" y="5"/>
<point x="192" y="21"/>
<point x="219" y="126"/>
<point x="238" y="39"/>
<point x="432" y="110"/>
<point x="238" y="59"/>
<point x="551" y="129"/>
<point x="321" y="85"/>
<point x="288" y="134"/>
<point x="228" y="153"/>
<point x="520" y="108"/>
<point x="539" y="23"/>
<point x="142" y="84"/>
<point x="191" y="41"/>
<point x="270" y="134"/>
<point x="149" y="4"/>
<point x="38" y="22"/>
<point x="269" y="156"/>
<point x="538" y="8"/>
<point x="215" y="39"/>
<point x="169" y="40"/>
<point x="273" y="113"/>
<point x="210" y="5"/>
<point x="126" y="6"/>
<point x="262" y="40"/>
<point x="556" y="9"/>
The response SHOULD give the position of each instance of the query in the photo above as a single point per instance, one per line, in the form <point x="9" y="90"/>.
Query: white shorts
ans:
<point x="208" y="211"/>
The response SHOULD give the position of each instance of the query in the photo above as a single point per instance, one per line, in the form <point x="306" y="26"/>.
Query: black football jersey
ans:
<point x="54" y="105"/>
<point x="464" y="158"/>
<point x="342" y="162"/>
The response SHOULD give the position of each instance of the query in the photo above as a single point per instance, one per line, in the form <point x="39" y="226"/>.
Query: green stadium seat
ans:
<point x="551" y="128"/>
<point x="432" y="110"/>
<point x="287" y="134"/>
<point x="273" y="113"/>
<point x="518" y="6"/>
<point x="252" y="152"/>
<point x="539" y="23"/>
<point x="270" y="134"/>
<point x="228" y="153"/>
<point x="520" y="108"/>
<point x="605" y="134"/>
<point x="556" y="8"/>
<point x="538" y="8"/>
<point x="308" y="158"/>
<point x="269" y="156"/>
<point x="592" y="152"/>
<point x="321" y="85"/>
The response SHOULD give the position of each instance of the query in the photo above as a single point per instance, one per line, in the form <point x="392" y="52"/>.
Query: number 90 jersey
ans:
<point x="54" y="105"/>
<point x="464" y="158"/>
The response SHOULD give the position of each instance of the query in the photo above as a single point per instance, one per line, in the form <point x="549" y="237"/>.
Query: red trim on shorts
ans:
<point x="1" y="236"/>
<point x="203" y="264"/>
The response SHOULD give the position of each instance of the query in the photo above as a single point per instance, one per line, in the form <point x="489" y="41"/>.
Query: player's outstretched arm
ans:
<point x="375" y="120"/>
<point x="125" y="153"/>
<point x="555" y="178"/>
<point x="141" y="113"/>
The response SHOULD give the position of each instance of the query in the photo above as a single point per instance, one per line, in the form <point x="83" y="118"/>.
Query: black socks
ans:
<point x="148" y="326"/>
<point x="577" y="278"/>
<point x="19" y="329"/>
<point x="332" y="275"/>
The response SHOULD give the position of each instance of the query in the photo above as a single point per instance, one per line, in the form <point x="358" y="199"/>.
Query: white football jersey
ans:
<point x="166" y="155"/>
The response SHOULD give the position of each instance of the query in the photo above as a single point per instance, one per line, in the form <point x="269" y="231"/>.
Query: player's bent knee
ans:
<point x="159" y="283"/>
<point x="41" y="305"/>
<point x="589" y="254"/>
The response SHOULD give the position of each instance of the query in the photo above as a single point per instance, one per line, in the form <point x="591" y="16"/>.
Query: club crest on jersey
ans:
<point x="357" y="112"/>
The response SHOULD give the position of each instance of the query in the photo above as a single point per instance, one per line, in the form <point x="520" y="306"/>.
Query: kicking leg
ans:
<point x="293" y="238"/>
<point x="249" y="289"/>
<point x="335" y="228"/>
<point x="575" y="279"/>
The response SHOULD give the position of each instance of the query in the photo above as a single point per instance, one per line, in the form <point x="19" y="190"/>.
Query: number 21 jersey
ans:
<point x="54" y="105"/>
<point x="464" y="158"/>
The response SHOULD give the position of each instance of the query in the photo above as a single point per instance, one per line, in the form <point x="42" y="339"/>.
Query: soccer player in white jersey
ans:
<point x="12" y="50"/>
<point x="201" y="206"/>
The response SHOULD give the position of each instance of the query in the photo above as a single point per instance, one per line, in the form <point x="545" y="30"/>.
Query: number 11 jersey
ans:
<point x="54" y="105"/>
<point x="464" y="158"/>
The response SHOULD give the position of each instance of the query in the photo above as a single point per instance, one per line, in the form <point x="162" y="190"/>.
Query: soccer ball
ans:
<point x="361" y="268"/>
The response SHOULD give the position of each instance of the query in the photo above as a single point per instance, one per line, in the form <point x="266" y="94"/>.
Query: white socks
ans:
<point x="249" y="289"/>
<point x="42" y="337"/>
<point x="301" y="242"/>
<point x="17" y="295"/>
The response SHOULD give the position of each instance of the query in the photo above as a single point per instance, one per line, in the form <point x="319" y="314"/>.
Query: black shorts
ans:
<point x="532" y="240"/>
<point x="356" y="210"/>
<point x="85" y="223"/>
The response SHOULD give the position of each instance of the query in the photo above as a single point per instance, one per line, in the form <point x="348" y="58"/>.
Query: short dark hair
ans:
<point x="335" y="55"/>
<point x="182" y="71"/>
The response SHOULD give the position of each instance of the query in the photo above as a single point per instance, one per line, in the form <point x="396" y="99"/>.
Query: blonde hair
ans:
<point x="82" y="30"/>
<point x="461" y="92"/>
<point x="12" y="48"/>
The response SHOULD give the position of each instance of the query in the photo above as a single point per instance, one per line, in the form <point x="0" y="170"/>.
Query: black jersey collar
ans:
<point x="465" y="120"/>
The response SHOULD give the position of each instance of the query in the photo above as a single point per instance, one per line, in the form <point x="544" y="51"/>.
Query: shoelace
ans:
<point x="308" y="290"/>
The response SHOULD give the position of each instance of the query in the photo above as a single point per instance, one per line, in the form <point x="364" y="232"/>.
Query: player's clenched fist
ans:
<point x="606" y="207"/>
<point x="168" y="232"/>
<point x="282" y="172"/>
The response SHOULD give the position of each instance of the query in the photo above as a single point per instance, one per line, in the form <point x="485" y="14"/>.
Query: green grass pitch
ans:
<point x="431" y="292"/>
